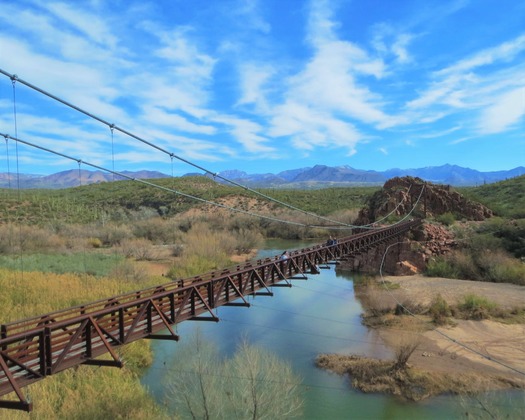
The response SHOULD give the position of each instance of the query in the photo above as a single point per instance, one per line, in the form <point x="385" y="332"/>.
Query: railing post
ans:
<point x="48" y="352"/>
<point x="3" y="334"/>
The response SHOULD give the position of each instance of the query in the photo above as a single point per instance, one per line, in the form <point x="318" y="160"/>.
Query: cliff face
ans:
<point x="400" y="197"/>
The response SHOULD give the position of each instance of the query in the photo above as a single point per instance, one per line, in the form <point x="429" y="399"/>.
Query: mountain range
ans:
<point x="311" y="177"/>
<point x="323" y="176"/>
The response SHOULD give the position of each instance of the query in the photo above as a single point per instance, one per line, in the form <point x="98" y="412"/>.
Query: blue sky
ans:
<point x="266" y="85"/>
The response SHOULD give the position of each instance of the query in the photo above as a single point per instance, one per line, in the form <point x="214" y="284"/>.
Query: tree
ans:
<point x="253" y="384"/>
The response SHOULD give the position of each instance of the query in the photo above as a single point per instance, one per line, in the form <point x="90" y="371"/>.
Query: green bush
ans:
<point x="497" y="266"/>
<point x="446" y="218"/>
<point x="439" y="310"/>
<point x="476" y="307"/>
<point x="157" y="230"/>
<point x="441" y="267"/>
<point x="465" y="265"/>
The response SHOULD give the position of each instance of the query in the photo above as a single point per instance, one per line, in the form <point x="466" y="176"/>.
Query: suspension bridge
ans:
<point x="34" y="348"/>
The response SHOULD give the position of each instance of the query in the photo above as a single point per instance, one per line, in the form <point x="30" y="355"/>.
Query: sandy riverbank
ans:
<point x="468" y="355"/>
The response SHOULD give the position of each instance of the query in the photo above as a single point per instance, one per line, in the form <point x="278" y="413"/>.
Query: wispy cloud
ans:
<point x="491" y="95"/>
<point x="507" y="110"/>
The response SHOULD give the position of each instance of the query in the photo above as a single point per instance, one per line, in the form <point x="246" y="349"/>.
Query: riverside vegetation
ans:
<point x="64" y="247"/>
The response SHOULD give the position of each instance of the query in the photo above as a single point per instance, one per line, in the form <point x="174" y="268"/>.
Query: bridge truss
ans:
<point x="34" y="348"/>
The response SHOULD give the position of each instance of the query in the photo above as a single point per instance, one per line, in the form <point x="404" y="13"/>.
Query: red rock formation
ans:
<point x="415" y="197"/>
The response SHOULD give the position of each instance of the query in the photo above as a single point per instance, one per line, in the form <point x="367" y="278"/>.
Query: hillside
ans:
<point x="505" y="198"/>
<point x="131" y="200"/>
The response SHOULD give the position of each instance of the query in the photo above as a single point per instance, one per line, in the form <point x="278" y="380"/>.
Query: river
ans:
<point x="319" y="315"/>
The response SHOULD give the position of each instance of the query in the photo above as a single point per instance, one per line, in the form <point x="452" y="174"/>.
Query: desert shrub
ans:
<point x="94" y="242"/>
<point x="446" y="218"/>
<point x="377" y="303"/>
<point x="408" y="306"/>
<point x="403" y="352"/>
<point x="499" y="267"/>
<point x="512" y="235"/>
<point x="204" y="250"/>
<point x="480" y="242"/>
<point x="247" y="239"/>
<point x="7" y="238"/>
<point x="77" y="236"/>
<point x="112" y="234"/>
<point x="16" y="238"/>
<point x="439" y="310"/>
<point x="279" y="230"/>
<point x="203" y="241"/>
<point x="464" y="264"/>
<point x="108" y="233"/>
<point x="129" y="272"/>
<point x="441" y="267"/>
<point x="240" y="387"/>
<point x="157" y="230"/>
<point x="240" y="222"/>
<point x="347" y="216"/>
<point x="509" y="234"/>
<point x="138" y="248"/>
<point x="476" y="307"/>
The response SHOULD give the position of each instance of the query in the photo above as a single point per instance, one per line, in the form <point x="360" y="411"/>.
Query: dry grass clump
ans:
<point x="408" y="383"/>
<point x="17" y="238"/>
<point x="139" y="249"/>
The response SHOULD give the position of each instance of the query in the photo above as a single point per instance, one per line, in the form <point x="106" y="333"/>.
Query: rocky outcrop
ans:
<point x="401" y="196"/>
<point x="409" y="256"/>
<point x="413" y="197"/>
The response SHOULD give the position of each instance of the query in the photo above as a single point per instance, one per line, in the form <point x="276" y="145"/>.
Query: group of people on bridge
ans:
<point x="331" y="241"/>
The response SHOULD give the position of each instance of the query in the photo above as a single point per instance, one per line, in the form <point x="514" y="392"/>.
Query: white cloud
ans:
<point x="386" y="40"/>
<point x="443" y="133"/>
<point x="399" y="48"/>
<point x="503" y="52"/>
<point x="328" y="84"/>
<point x="86" y="22"/>
<point x="247" y="133"/>
<point x="253" y="78"/>
<point x="249" y="14"/>
<point x="507" y="110"/>
<point x="455" y="83"/>
<point x="311" y="128"/>
<point x="157" y="116"/>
